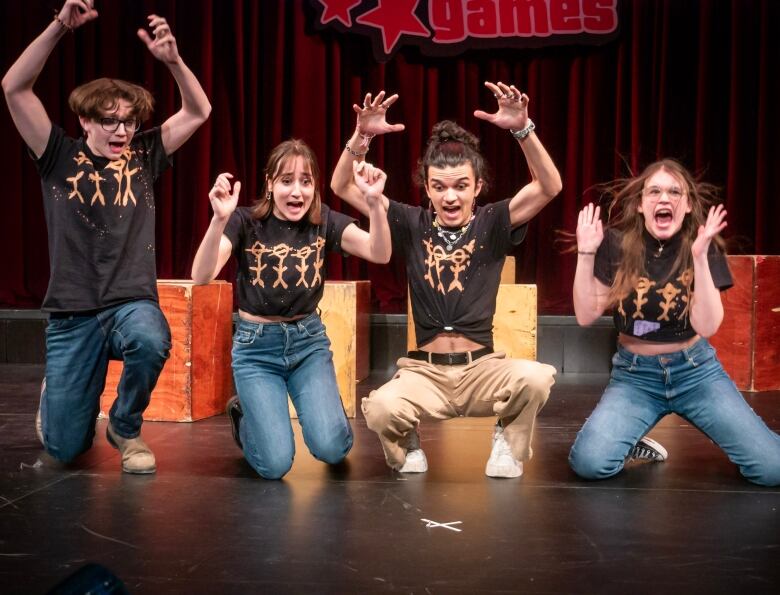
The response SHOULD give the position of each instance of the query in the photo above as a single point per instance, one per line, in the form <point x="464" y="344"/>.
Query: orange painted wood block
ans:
<point x="734" y="339"/>
<point x="766" y="347"/>
<point x="196" y="381"/>
<point x="748" y="341"/>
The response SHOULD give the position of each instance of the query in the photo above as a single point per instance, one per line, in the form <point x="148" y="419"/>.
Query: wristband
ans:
<point x="61" y="22"/>
<point x="521" y="134"/>
<point x="354" y="153"/>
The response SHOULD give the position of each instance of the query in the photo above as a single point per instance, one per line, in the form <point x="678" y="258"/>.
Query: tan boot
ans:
<point x="136" y="455"/>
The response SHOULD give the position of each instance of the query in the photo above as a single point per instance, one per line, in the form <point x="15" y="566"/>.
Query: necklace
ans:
<point x="451" y="237"/>
<point x="660" y="249"/>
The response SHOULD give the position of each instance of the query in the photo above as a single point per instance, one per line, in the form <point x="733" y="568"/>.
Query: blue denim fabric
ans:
<point x="78" y="349"/>
<point x="690" y="383"/>
<point x="271" y="360"/>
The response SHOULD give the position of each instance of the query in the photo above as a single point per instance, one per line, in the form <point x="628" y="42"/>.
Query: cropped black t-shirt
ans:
<point x="453" y="277"/>
<point x="281" y="264"/>
<point x="658" y="308"/>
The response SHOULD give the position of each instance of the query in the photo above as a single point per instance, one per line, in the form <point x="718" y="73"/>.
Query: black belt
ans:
<point x="449" y="359"/>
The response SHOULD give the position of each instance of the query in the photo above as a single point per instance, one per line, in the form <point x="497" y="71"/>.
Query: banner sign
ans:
<point x="448" y="27"/>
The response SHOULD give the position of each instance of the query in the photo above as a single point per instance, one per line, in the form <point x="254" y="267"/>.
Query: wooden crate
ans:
<point x="747" y="341"/>
<point x="345" y="308"/>
<point x="196" y="380"/>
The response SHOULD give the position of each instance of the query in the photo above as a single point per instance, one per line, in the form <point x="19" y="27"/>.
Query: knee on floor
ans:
<point x="766" y="473"/>
<point x="64" y="452"/>
<point x="272" y="467"/>
<point x="590" y="464"/>
<point x="332" y="450"/>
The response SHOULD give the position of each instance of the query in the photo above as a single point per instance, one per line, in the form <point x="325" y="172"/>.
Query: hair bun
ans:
<point x="448" y="131"/>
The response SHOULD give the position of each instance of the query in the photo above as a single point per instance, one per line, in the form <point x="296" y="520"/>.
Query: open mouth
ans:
<point x="116" y="146"/>
<point x="450" y="211"/>
<point x="664" y="216"/>
<point x="295" y="206"/>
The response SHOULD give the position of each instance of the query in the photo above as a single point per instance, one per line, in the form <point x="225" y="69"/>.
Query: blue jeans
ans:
<point x="78" y="349"/>
<point x="271" y="360"/>
<point x="690" y="383"/>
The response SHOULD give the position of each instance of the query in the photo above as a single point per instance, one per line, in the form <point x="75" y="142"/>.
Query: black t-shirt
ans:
<point x="658" y="308"/>
<point x="100" y="219"/>
<point x="281" y="264"/>
<point x="454" y="290"/>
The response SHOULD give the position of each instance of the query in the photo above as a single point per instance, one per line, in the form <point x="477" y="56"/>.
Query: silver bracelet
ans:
<point x="354" y="153"/>
<point x="521" y="134"/>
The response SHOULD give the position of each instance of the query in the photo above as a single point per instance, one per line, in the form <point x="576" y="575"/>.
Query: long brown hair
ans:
<point x="280" y="156"/>
<point x="624" y="198"/>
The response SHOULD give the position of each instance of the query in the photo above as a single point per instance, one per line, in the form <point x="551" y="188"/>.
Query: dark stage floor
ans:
<point x="206" y="524"/>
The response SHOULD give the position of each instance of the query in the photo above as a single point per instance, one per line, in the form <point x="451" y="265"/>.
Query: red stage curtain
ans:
<point x="695" y="80"/>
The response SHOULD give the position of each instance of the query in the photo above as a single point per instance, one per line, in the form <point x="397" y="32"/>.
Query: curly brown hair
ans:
<point x="97" y="98"/>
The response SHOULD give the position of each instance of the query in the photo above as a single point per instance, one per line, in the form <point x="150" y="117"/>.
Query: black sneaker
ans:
<point x="234" y="413"/>
<point x="648" y="449"/>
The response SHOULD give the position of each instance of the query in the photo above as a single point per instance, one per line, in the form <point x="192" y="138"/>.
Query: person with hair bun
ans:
<point x="659" y="261"/>
<point x="280" y="346"/>
<point x="98" y="198"/>
<point x="454" y="253"/>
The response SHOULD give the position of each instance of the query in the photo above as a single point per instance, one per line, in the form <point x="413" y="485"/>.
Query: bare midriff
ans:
<point x="450" y="343"/>
<point x="640" y="347"/>
<point x="253" y="318"/>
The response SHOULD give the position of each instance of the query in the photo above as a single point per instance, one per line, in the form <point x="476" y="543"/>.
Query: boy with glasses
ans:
<point x="99" y="207"/>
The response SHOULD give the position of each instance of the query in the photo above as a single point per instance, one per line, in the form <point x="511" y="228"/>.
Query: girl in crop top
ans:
<point x="280" y="346"/>
<point x="659" y="262"/>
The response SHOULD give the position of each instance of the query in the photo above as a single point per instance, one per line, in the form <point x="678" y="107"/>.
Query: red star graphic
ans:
<point x="394" y="18"/>
<point x="339" y="10"/>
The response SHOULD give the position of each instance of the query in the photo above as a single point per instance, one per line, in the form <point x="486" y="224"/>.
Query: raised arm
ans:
<point x="545" y="184"/>
<point x="27" y="111"/>
<point x="371" y="121"/>
<point x="195" y="106"/>
<point x="590" y="295"/>
<point x="374" y="246"/>
<point x="706" y="305"/>
<point x="215" y="248"/>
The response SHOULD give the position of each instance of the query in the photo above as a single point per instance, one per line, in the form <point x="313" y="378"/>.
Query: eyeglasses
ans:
<point x="112" y="124"/>
<point x="654" y="193"/>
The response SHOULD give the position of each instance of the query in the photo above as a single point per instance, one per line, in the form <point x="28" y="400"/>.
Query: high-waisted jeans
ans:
<point x="690" y="383"/>
<point x="271" y="360"/>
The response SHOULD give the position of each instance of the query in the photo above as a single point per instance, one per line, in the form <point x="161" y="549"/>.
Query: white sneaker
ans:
<point x="648" y="449"/>
<point x="501" y="462"/>
<point x="415" y="457"/>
